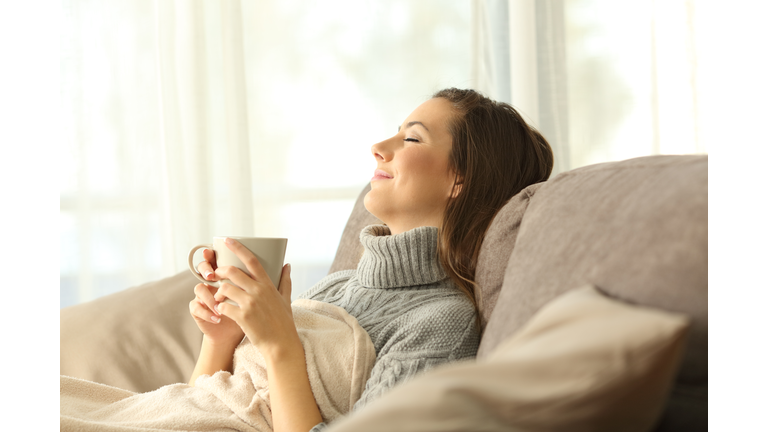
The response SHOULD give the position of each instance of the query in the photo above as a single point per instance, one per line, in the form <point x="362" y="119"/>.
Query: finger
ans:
<point x="286" y="285"/>
<point x="210" y="256"/>
<point x="207" y="267"/>
<point x="199" y="310"/>
<point x="230" y="311"/>
<point x="206" y="270"/>
<point x="229" y="291"/>
<point x="237" y="277"/>
<point x="252" y="263"/>
<point x="205" y="296"/>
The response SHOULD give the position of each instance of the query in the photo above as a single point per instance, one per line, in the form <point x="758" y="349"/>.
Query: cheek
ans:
<point x="423" y="163"/>
<point x="427" y="181"/>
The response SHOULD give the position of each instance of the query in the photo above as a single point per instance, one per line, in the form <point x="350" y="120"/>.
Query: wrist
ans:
<point x="283" y="353"/>
<point x="214" y="356"/>
<point x="221" y="344"/>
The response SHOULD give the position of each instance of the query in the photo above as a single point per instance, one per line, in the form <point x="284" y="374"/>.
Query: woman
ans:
<point x="439" y="182"/>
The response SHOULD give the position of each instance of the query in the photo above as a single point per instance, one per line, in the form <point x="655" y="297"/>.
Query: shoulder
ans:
<point x="441" y="324"/>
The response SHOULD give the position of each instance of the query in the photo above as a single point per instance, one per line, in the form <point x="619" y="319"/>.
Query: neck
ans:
<point x="399" y="260"/>
<point x="401" y="226"/>
<point x="399" y="229"/>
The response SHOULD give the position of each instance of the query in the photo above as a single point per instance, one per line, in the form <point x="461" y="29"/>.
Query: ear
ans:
<point x="458" y="181"/>
<point x="456" y="190"/>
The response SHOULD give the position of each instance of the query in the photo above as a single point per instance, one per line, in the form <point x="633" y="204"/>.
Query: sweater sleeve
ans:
<point x="420" y="342"/>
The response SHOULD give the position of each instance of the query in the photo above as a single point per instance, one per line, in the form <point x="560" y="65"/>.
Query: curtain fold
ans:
<point x="524" y="50"/>
<point x="238" y="167"/>
<point x="553" y="79"/>
<point x="200" y="191"/>
<point x="490" y="36"/>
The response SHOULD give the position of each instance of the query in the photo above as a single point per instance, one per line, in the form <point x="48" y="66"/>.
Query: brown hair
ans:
<point x="495" y="154"/>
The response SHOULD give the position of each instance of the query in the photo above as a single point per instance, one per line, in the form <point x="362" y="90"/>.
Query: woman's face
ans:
<point x="412" y="182"/>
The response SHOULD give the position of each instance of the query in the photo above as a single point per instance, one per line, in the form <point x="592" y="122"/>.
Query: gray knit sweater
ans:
<point x="415" y="315"/>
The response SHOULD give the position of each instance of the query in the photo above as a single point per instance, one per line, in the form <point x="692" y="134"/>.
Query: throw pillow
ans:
<point x="584" y="362"/>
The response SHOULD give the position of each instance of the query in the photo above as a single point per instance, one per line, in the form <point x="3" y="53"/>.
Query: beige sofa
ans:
<point x="636" y="230"/>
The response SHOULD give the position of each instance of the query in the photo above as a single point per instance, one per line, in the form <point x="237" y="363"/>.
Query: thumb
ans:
<point x="285" y="283"/>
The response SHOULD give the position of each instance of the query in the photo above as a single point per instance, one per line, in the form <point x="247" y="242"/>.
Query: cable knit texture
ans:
<point x="416" y="316"/>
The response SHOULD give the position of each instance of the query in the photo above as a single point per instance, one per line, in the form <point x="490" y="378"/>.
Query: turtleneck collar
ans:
<point x="401" y="260"/>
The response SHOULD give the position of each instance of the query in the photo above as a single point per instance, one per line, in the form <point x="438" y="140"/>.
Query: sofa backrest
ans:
<point x="636" y="229"/>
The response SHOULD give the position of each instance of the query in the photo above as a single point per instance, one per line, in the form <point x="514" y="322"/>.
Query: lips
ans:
<point x="380" y="175"/>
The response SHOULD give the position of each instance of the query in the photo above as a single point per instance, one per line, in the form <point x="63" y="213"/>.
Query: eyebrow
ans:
<point x="414" y="123"/>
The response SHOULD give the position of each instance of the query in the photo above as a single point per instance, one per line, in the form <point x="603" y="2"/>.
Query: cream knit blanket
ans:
<point x="339" y="355"/>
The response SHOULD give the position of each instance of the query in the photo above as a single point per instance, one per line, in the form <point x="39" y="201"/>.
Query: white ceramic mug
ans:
<point x="269" y="251"/>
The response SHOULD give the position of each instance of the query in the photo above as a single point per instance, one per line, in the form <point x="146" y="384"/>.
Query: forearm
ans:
<point x="294" y="407"/>
<point x="213" y="358"/>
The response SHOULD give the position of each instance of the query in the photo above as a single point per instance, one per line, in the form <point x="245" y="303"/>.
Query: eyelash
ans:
<point x="411" y="139"/>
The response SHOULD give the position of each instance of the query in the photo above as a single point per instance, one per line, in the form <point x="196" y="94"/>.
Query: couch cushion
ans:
<point x="496" y="249"/>
<point x="350" y="250"/>
<point x="138" y="339"/>
<point x="584" y="362"/>
<point x="637" y="229"/>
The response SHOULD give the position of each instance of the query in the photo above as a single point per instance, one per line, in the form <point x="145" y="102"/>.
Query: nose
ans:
<point x="383" y="151"/>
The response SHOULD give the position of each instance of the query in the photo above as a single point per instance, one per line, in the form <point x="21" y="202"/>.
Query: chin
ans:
<point x="367" y="202"/>
<point x="370" y="205"/>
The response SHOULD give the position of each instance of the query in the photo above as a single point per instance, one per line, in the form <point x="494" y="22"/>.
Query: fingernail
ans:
<point x="289" y="267"/>
<point x="215" y="319"/>
<point x="208" y="274"/>
<point x="228" y="241"/>
<point x="216" y="308"/>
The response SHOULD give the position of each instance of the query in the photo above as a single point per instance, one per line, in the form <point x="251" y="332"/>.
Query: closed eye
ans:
<point x="411" y="139"/>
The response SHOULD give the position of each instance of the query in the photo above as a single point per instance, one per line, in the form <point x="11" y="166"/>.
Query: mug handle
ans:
<point x="192" y="265"/>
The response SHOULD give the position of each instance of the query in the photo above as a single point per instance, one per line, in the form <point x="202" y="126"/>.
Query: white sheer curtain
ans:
<point x="206" y="181"/>
<point x="602" y="80"/>
<point x="189" y="119"/>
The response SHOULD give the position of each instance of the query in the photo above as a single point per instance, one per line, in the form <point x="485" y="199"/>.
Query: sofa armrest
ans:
<point x="138" y="339"/>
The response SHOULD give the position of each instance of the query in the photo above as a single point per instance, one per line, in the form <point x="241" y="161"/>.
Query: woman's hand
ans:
<point x="264" y="312"/>
<point x="218" y="329"/>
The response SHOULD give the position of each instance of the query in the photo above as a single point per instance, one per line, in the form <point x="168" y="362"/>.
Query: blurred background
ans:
<point x="185" y="120"/>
